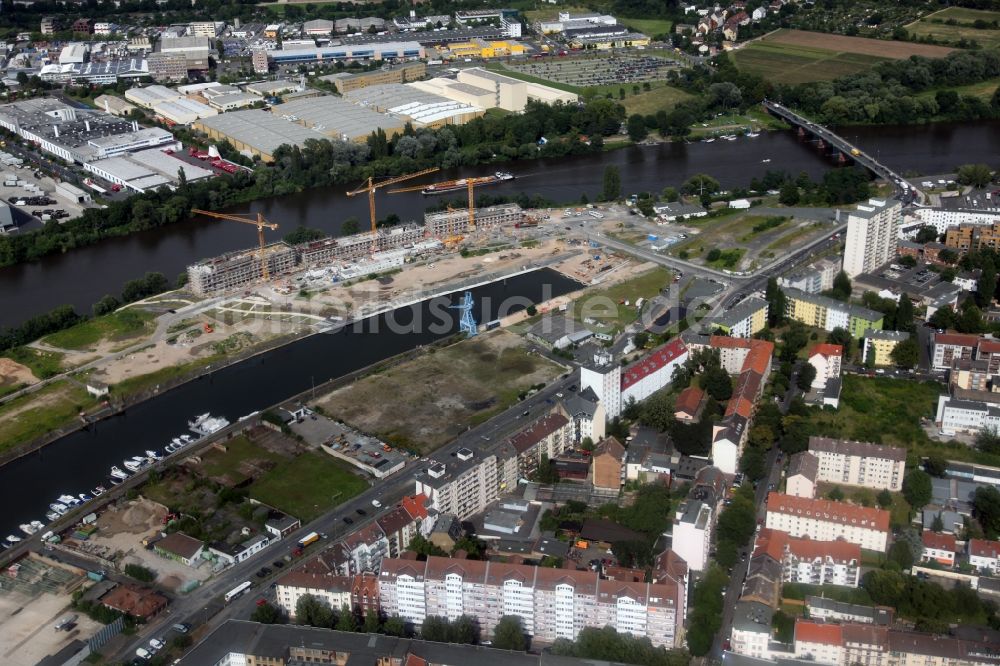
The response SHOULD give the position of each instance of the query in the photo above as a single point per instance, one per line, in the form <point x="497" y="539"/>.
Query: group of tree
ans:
<point x="705" y="616"/>
<point x="606" y="644"/>
<point x="312" y="611"/>
<point x="931" y="607"/>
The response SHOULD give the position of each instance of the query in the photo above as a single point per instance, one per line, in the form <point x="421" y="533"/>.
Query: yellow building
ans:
<point x="827" y="313"/>
<point x="878" y="346"/>
<point x="480" y="49"/>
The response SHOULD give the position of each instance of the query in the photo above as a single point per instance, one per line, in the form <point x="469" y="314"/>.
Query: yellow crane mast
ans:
<point x="259" y="222"/>
<point x="370" y="188"/>
<point x="470" y="184"/>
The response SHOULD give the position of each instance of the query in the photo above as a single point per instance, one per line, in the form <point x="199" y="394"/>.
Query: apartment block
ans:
<point x="237" y="269"/>
<point x="973" y="237"/>
<point x="463" y="485"/>
<point x="828" y="313"/>
<point x="692" y="533"/>
<point x="552" y="603"/>
<point x="549" y="436"/>
<point x="824" y="520"/>
<point x="951" y="347"/>
<point x="803" y="473"/>
<point x="826" y="358"/>
<point x="810" y="561"/>
<point x="456" y="222"/>
<point x="965" y="416"/>
<point x="615" y="386"/>
<point x="822" y="608"/>
<point x="815" y="278"/>
<point x="871" y="235"/>
<point x="730" y="434"/>
<point x="864" y="464"/>
<point x="877" y="346"/>
<point x="742" y="320"/>
<point x="333" y="590"/>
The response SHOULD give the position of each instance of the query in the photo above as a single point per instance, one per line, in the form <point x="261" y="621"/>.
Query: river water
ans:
<point x="82" y="276"/>
<point x="80" y="461"/>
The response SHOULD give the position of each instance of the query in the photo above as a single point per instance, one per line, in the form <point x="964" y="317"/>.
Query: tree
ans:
<point x="936" y="466"/>
<point x="841" y="287"/>
<point x="670" y="194"/>
<point x="612" y="183"/>
<point x="267" y="614"/>
<point x="789" y="194"/>
<point x="884" y="499"/>
<point x="917" y="488"/>
<point x="372" y="622"/>
<point x="700" y="183"/>
<point x="636" y="128"/>
<point x="835" y="494"/>
<point x="976" y="175"/>
<point x="394" y="626"/>
<point x="309" y="610"/>
<point x="986" y="286"/>
<point x="937" y="524"/>
<point x="904" y="314"/>
<point x="806" y="376"/>
<point x="907" y="260"/>
<point x="717" y="383"/>
<point x="753" y="463"/>
<point x="926" y="234"/>
<point x="775" y="302"/>
<point x="901" y="553"/>
<point x="841" y="336"/>
<point x="906" y="353"/>
<point x="350" y="227"/>
<point x="509" y="634"/>
<point x="106" y="305"/>
<point x="435" y="628"/>
<point x="346" y="621"/>
<point x="705" y="617"/>
<point x="464" y="630"/>
<point x="303" y="234"/>
<point x="987" y="441"/>
<point x="986" y="503"/>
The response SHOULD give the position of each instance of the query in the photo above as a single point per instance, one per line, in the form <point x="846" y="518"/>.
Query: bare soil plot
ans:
<point x="435" y="397"/>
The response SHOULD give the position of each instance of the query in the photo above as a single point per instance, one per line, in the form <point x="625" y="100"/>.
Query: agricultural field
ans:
<point x="441" y="392"/>
<point x="957" y="23"/>
<point x="796" y="56"/>
<point x="648" y="27"/>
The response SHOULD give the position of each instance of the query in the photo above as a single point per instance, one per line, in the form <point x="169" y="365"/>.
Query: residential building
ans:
<point x="826" y="358"/>
<point x="139" y="602"/>
<point x="825" y="520"/>
<point x="689" y="404"/>
<point x="828" y="313"/>
<point x="552" y="603"/>
<point x="692" y="533"/>
<point x="985" y="555"/>
<point x="938" y="548"/>
<point x="230" y="553"/>
<point x="943" y="219"/>
<point x="871" y="235"/>
<point x="955" y="415"/>
<point x="816" y="278"/>
<point x="400" y="525"/>
<point x="548" y="437"/>
<point x="586" y="415"/>
<point x="951" y="347"/>
<point x="463" y="486"/>
<point x="674" y="211"/>
<point x="743" y="320"/>
<point x="811" y="561"/>
<point x="864" y="464"/>
<point x="877" y="346"/>
<point x="803" y="473"/>
<point x="973" y="237"/>
<point x="365" y="548"/>
<point x="822" y="643"/>
<point x="751" y="632"/>
<point x="608" y="464"/>
<point x="822" y="608"/>
<point x="235" y="270"/>
<point x="181" y="547"/>
<point x="730" y="434"/>
<point x="331" y="589"/>
<point x="615" y="386"/>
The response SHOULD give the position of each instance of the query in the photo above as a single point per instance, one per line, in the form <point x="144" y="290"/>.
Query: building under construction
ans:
<point x="456" y="222"/>
<point x="352" y="248"/>
<point x="238" y="269"/>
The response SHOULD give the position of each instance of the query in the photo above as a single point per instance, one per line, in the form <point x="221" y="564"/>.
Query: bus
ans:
<point x="312" y="537"/>
<point x="238" y="590"/>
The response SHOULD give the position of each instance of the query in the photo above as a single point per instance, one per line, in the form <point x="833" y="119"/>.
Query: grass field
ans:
<point x="889" y="411"/>
<point x="439" y="394"/>
<point x="933" y="25"/>
<point x="308" y="486"/>
<point x="30" y="416"/>
<point x="124" y="325"/>
<point x="226" y="464"/>
<point x="648" y="27"/>
<point x="795" y="56"/>
<point x="606" y="305"/>
<point x="43" y="364"/>
<point x="984" y="90"/>
<point x="661" y="97"/>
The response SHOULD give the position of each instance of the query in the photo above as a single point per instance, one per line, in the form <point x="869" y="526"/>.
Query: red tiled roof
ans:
<point x="136" y="601"/>
<point x="538" y="431"/>
<point x="826" y="349"/>
<point x="610" y="446"/>
<point x="842" y="552"/>
<point x="938" y="541"/>
<point x="984" y="548"/>
<point x="956" y="339"/>
<point x="816" y="632"/>
<point x="759" y="357"/>
<point x="416" y="506"/>
<point x="650" y="363"/>
<point x="718" y="341"/>
<point x="829" y="511"/>
<point x="989" y="346"/>
<point x="689" y="400"/>
<point x="314" y="581"/>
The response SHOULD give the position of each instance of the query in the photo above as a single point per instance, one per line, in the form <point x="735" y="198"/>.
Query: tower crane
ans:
<point x="370" y="188"/>
<point x="470" y="184"/>
<point x="259" y="222"/>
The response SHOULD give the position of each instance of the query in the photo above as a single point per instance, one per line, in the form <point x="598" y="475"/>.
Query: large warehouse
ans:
<point x="339" y="119"/>
<point x="256" y="132"/>
<point x="422" y="108"/>
<point x="478" y="87"/>
<point x="384" y="51"/>
<point x="183" y="111"/>
<point x="150" y="96"/>
<point x="145" y="170"/>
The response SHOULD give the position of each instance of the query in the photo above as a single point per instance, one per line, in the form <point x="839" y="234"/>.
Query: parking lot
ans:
<point x="598" y="70"/>
<point x="43" y="189"/>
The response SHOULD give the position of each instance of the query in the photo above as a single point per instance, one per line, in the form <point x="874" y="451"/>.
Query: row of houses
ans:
<point x="845" y="462"/>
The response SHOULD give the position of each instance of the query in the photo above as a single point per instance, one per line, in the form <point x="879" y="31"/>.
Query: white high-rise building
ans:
<point x="871" y="235"/>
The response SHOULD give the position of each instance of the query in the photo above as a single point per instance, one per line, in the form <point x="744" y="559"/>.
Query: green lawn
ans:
<point x="793" y="63"/>
<point x="647" y="26"/>
<point x="217" y="464"/>
<point x="983" y="90"/>
<point x="661" y="97"/>
<point x="605" y="305"/>
<point x="43" y="364"/>
<point x="934" y="25"/>
<point x="308" y="486"/>
<point x="33" y="415"/>
<point x="129" y="324"/>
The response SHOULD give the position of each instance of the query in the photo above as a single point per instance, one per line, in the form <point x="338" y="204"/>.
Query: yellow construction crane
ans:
<point x="259" y="222"/>
<point x="371" y="186"/>
<point x="470" y="184"/>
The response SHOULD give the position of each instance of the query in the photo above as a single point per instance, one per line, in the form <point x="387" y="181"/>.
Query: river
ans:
<point x="78" y="462"/>
<point x="82" y="276"/>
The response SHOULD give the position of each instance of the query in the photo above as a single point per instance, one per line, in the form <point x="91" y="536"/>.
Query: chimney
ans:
<point x="55" y="128"/>
<point x="413" y="14"/>
<point x="86" y="123"/>
<point x="135" y="125"/>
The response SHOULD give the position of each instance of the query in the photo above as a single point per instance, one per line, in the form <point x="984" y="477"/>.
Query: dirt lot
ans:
<point x="26" y="627"/>
<point x="14" y="374"/>
<point x="439" y="394"/>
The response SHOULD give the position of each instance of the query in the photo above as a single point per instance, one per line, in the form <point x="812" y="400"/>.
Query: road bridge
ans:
<point x="906" y="192"/>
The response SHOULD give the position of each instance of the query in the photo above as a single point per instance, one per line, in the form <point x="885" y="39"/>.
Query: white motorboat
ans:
<point x="98" y="491"/>
<point x="59" y="508"/>
<point x="28" y="528"/>
<point x="131" y="465"/>
<point x="766" y="160"/>
<point x="186" y="439"/>
<point x="115" y="481"/>
<point x="153" y="456"/>
<point x="68" y="499"/>
<point x="730" y="137"/>
<point x="84" y="497"/>
<point x="138" y="459"/>
<point x="12" y="538"/>
<point x="206" y="424"/>
<point x="52" y="515"/>
<point x="752" y="135"/>
<point x="708" y="140"/>
<point x="118" y="473"/>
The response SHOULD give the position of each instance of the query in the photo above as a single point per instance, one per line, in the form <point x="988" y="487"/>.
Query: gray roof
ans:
<point x="752" y="616"/>
<point x="852" y="448"/>
<point x="6" y="216"/>
<point x="833" y="304"/>
<point x="877" y="334"/>
<point x="260" y="129"/>
<point x="336" y="117"/>
<point x="741" y="311"/>
<point x="881" y="615"/>
<point x="679" y="209"/>
<point x="803" y="463"/>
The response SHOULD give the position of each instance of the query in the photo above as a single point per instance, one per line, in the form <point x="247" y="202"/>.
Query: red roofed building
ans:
<point x="985" y="555"/>
<point x="989" y="351"/>
<point x="826" y="358"/>
<point x="822" y="643"/>
<point x="825" y="520"/>
<point x="809" y="561"/>
<point x="550" y="436"/>
<point x="653" y="371"/>
<point x="754" y="359"/>
<point x="951" y="347"/>
<point x="938" y="548"/>
<point x="689" y="405"/>
<point x="139" y="602"/>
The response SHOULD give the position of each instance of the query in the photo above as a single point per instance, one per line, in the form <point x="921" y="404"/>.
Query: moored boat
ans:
<point x="463" y="183"/>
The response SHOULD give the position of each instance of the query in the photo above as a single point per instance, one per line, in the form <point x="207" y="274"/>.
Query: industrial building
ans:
<point x="116" y="106"/>
<point x="231" y="101"/>
<point x="167" y="66"/>
<point x="237" y="269"/>
<point x="256" y="133"/>
<point x="422" y="109"/>
<point x="150" y="96"/>
<point x="271" y="88"/>
<point x="194" y="49"/>
<point x="456" y="223"/>
<point x="346" y="81"/>
<point x="77" y="135"/>
<point x="344" y="52"/>
<point x="339" y="119"/>
<point x="146" y="170"/>
<point x="110" y="71"/>
<point x="478" y="87"/>
<point x="479" y="48"/>
<point x="183" y="111"/>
